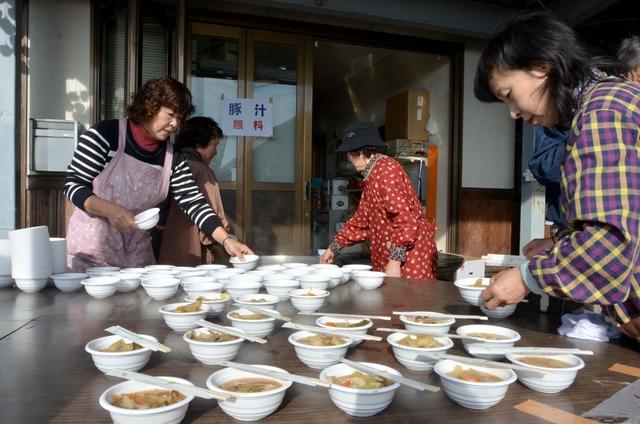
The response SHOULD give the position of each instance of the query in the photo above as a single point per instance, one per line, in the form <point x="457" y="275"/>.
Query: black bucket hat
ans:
<point x="359" y="135"/>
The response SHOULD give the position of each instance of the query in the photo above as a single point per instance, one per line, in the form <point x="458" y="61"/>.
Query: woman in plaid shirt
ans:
<point x="538" y="68"/>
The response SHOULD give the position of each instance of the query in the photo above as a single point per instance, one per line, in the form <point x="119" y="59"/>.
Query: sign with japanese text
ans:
<point x="250" y="117"/>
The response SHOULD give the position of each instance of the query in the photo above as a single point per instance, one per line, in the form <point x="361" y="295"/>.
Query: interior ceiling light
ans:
<point x="282" y="68"/>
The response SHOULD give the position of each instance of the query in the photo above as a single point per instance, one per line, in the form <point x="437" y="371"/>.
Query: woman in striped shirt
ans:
<point x="122" y="167"/>
<point x="538" y="68"/>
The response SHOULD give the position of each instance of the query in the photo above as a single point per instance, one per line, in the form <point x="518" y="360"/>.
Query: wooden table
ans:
<point x="48" y="377"/>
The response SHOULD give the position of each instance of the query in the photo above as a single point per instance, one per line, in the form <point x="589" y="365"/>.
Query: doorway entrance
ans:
<point x="262" y="180"/>
<point x="352" y="82"/>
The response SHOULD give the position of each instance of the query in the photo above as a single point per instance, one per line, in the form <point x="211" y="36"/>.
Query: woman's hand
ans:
<point x="327" y="257"/>
<point x="393" y="269"/>
<point x="119" y="217"/>
<point x="505" y="288"/>
<point x="537" y="246"/>
<point x="632" y="329"/>
<point x="235" y="248"/>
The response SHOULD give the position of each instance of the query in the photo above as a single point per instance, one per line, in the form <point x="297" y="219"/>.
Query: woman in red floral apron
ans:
<point x="389" y="214"/>
<point x="122" y="167"/>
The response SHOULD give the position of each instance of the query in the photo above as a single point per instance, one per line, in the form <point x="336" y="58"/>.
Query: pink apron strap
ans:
<point x="167" y="170"/>
<point x="122" y="134"/>
<point x="115" y="162"/>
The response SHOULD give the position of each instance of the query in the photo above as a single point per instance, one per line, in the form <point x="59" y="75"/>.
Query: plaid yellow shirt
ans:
<point x="596" y="261"/>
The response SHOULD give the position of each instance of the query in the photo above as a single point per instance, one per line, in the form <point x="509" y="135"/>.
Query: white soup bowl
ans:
<point x="101" y="287"/>
<point x="133" y="360"/>
<point x="171" y="414"/>
<point x="254" y="327"/>
<point x="359" y="402"/>
<point x="308" y="300"/>
<point x="248" y="406"/>
<point x="211" y="353"/>
<point x="316" y="356"/>
<point x="410" y="356"/>
<point x="68" y="281"/>
<point x="182" y="321"/>
<point x="551" y="380"/>
<point x="472" y="394"/>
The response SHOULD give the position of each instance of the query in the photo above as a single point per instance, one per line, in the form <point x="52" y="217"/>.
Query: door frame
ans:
<point x="302" y="175"/>
<point x="233" y="33"/>
<point x="384" y="37"/>
<point x="244" y="185"/>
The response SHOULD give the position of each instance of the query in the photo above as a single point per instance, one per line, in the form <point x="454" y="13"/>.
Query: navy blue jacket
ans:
<point x="548" y="155"/>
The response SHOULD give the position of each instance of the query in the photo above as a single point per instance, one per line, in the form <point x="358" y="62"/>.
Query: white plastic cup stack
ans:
<point x="58" y="255"/>
<point x="5" y="263"/>
<point x="31" y="264"/>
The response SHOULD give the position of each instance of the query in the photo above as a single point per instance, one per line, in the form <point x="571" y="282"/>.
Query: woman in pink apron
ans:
<point x="122" y="167"/>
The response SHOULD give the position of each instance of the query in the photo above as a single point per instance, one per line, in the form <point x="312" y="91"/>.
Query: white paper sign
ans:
<point x="250" y="117"/>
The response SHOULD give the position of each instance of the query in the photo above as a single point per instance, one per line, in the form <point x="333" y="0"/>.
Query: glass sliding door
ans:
<point x="262" y="179"/>
<point x="274" y="189"/>
<point x="216" y="65"/>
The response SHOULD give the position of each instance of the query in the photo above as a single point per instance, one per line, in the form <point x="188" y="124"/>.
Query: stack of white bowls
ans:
<point x="5" y="263"/>
<point x="58" y="255"/>
<point x="31" y="258"/>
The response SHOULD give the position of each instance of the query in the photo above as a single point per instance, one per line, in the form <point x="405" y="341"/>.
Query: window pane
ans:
<point x="272" y="222"/>
<point x="214" y="73"/>
<point x="114" y="69"/>
<point x="155" y="51"/>
<point x="275" y="76"/>
<point x="157" y="27"/>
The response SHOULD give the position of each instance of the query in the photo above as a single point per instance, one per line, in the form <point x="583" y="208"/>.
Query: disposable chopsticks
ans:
<point x="263" y="311"/>
<point x="417" y="333"/>
<point x="314" y="329"/>
<point x="309" y="381"/>
<point x="531" y="350"/>
<point x="232" y="331"/>
<point x="136" y="338"/>
<point x="396" y="378"/>
<point x="171" y="385"/>
<point x="476" y="361"/>
<point x="440" y="315"/>
<point x="336" y="315"/>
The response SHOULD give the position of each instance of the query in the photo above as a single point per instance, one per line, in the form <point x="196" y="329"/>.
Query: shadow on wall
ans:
<point x="7" y="29"/>
<point x="76" y="101"/>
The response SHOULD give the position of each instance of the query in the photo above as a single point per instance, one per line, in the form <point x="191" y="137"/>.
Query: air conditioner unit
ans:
<point x="52" y="144"/>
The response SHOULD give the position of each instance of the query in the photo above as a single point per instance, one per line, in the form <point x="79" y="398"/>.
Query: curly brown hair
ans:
<point x="156" y="93"/>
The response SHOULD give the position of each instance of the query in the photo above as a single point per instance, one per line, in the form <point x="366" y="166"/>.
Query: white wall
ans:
<point x="8" y="116"/>
<point x="60" y="59"/>
<point x="488" y="135"/>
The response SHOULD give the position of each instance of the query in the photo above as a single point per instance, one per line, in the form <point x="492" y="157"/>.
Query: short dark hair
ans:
<point x="156" y="93"/>
<point x="198" y="132"/>
<point x="367" y="151"/>
<point x="539" y="39"/>
<point x="629" y="53"/>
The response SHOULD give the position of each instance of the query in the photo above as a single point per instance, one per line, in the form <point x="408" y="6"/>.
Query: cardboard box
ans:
<point x="339" y="202"/>
<point x="337" y="186"/>
<point x="407" y="115"/>
<point x="469" y="269"/>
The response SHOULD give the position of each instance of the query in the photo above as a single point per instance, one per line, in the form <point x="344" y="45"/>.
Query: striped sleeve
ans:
<point x="89" y="159"/>
<point x="190" y="199"/>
